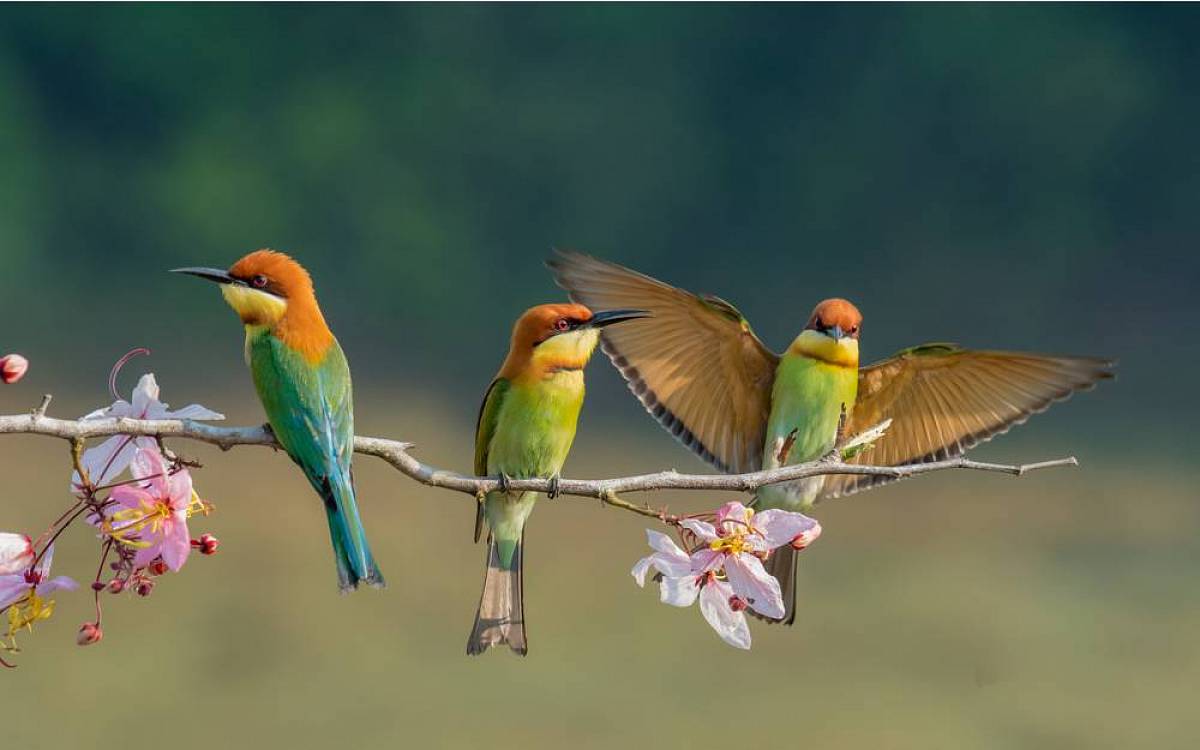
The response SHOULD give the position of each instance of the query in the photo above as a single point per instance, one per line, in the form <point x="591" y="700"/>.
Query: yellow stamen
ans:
<point x="24" y="613"/>
<point x="125" y="525"/>
<point x="733" y="544"/>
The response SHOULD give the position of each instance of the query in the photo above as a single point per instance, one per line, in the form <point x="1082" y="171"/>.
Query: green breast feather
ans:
<point x="806" y="405"/>
<point x="308" y="406"/>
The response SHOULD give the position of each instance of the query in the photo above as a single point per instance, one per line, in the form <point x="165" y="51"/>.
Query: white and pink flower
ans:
<point x="108" y="460"/>
<point x="151" y="514"/>
<point x="32" y="581"/>
<point x="723" y="568"/>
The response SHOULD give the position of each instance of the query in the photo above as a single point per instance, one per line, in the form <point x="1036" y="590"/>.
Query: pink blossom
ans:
<point x="15" y="587"/>
<point x="724" y="568"/>
<point x="106" y="461"/>
<point x="151" y="515"/>
<point x="13" y="367"/>
<point x="16" y="553"/>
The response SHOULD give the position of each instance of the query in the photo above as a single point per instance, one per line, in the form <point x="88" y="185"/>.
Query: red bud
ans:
<point x="13" y="367"/>
<point x="144" y="588"/>
<point x="207" y="544"/>
<point x="89" y="633"/>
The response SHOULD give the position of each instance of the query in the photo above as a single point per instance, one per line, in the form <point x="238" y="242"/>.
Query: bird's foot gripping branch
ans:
<point x="138" y="500"/>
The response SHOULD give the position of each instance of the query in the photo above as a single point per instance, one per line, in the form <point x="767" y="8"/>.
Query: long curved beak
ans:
<point x="608" y="317"/>
<point x="212" y="274"/>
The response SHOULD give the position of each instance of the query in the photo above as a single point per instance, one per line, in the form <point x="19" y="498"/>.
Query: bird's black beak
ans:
<point x="837" y="333"/>
<point x="608" y="317"/>
<point x="212" y="274"/>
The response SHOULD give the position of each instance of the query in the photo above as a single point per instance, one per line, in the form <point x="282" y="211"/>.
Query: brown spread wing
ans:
<point x="943" y="400"/>
<point x="694" y="364"/>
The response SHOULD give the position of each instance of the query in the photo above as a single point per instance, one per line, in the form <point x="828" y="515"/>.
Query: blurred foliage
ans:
<point x="1012" y="177"/>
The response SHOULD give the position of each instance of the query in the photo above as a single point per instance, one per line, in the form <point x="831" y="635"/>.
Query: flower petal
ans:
<point x="702" y="529"/>
<point x="59" y="583"/>
<point x="672" y="566"/>
<point x="705" y="559"/>
<point x="176" y="545"/>
<point x="129" y="496"/>
<point x="179" y="489"/>
<point x="780" y="527"/>
<point x="730" y="625"/>
<point x="734" y="511"/>
<point x="145" y="396"/>
<point x="12" y="588"/>
<point x="640" y="569"/>
<point x="43" y="566"/>
<point x="193" y="411"/>
<point x="679" y="592"/>
<point x="16" y="553"/>
<point x="149" y="466"/>
<point x="752" y="582"/>
<point x="145" y="555"/>
<point x="660" y="542"/>
<point x="106" y="461"/>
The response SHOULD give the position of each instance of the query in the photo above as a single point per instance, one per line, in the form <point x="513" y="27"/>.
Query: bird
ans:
<point x="525" y="428"/>
<point x="303" y="381"/>
<point x="697" y="366"/>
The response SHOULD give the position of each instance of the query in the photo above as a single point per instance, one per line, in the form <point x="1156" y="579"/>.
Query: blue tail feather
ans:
<point x="355" y="563"/>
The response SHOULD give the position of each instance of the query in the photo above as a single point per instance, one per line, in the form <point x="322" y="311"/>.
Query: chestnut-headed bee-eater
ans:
<point x="525" y="429"/>
<point x="303" y="381"/>
<point x="699" y="369"/>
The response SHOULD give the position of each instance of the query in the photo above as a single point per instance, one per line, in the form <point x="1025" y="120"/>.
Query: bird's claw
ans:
<point x="503" y="483"/>
<point x="552" y="490"/>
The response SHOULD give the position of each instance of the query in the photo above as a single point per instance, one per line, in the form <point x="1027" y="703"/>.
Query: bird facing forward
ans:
<point x="525" y="429"/>
<point x="698" y="368"/>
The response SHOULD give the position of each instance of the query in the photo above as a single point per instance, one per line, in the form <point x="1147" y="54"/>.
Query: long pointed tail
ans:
<point x="782" y="565"/>
<point x="500" y="618"/>
<point x="355" y="563"/>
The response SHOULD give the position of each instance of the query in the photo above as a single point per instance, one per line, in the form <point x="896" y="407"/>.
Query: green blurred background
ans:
<point x="1019" y="177"/>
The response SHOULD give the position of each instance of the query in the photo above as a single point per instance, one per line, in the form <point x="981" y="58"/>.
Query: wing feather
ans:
<point x="485" y="429"/>
<point x="695" y="364"/>
<point x="944" y="400"/>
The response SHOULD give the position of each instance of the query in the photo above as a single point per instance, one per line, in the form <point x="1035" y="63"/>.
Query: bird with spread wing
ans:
<point x="699" y="369"/>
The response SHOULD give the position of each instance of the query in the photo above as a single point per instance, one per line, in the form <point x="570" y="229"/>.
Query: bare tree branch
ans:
<point x="399" y="456"/>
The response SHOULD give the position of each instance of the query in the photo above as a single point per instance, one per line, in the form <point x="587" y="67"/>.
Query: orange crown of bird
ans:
<point x="302" y="326"/>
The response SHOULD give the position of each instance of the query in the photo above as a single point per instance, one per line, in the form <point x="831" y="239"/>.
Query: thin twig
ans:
<point x="399" y="456"/>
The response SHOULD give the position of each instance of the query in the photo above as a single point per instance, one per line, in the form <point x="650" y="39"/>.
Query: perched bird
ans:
<point x="303" y="381"/>
<point x="698" y="368"/>
<point x="525" y="429"/>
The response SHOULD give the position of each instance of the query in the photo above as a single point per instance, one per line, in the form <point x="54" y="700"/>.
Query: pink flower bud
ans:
<point x="89" y="633"/>
<point x="13" y="367"/>
<point x="209" y="544"/>
<point x="158" y="567"/>
<point x="144" y="588"/>
<point x="116" y="586"/>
